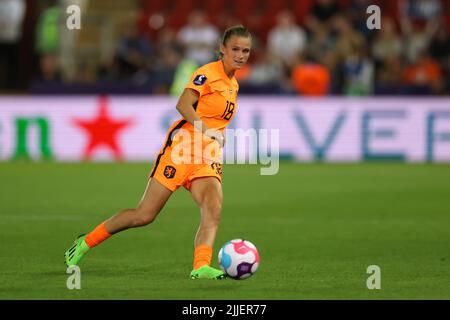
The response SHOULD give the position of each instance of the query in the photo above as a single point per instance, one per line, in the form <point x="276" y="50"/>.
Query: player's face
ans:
<point x="236" y="51"/>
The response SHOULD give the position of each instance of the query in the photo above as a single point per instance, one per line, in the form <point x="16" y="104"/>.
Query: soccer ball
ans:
<point x="239" y="259"/>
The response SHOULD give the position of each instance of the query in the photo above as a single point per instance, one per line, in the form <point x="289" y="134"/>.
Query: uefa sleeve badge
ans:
<point x="200" y="80"/>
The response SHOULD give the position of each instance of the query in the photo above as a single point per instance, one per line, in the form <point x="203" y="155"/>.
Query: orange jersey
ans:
<point x="216" y="107"/>
<point x="217" y="95"/>
<point x="187" y="154"/>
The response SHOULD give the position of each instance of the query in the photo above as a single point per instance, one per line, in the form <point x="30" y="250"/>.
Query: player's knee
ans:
<point x="145" y="220"/>
<point x="144" y="217"/>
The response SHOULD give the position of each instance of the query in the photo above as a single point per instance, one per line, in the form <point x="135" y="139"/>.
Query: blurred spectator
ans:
<point x="167" y="37"/>
<point x="440" y="47"/>
<point x="358" y="72"/>
<point x="440" y="51"/>
<point x="47" y="44"/>
<point x="84" y="74"/>
<point x="108" y="70"/>
<point x="12" y="13"/>
<point x="417" y="37"/>
<point x="320" y="42"/>
<point x="420" y="10"/>
<point x="183" y="72"/>
<point x="425" y="73"/>
<point x="310" y="78"/>
<point x="163" y="71"/>
<point x="49" y="70"/>
<point x="178" y="66"/>
<point x="47" y="33"/>
<point x="387" y="42"/>
<point x="329" y="59"/>
<point x="199" y="38"/>
<point x="347" y="38"/>
<point x="286" y="40"/>
<point x="358" y="15"/>
<point x="132" y="53"/>
<point x="69" y="38"/>
<point x="390" y="76"/>
<point x="263" y="71"/>
<point x="322" y="46"/>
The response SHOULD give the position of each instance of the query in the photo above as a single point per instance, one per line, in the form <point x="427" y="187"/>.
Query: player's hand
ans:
<point x="216" y="135"/>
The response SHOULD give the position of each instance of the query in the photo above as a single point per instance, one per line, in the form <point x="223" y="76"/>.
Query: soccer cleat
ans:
<point x="207" y="272"/>
<point x="76" y="252"/>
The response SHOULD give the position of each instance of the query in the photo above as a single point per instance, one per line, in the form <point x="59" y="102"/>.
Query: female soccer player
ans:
<point x="207" y="104"/>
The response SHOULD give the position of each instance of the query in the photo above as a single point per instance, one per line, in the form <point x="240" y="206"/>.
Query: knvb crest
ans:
<point x="217" y="167"/>
<point x="169" y="172"/>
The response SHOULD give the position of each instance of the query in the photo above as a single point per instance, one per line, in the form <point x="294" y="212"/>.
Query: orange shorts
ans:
<point x="174" y="175"/>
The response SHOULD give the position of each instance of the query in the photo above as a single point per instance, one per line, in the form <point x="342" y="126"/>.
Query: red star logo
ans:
<point x="102" y="131"/>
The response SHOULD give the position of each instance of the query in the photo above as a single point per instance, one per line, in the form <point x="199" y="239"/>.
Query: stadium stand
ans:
<point x="87" y="60"/>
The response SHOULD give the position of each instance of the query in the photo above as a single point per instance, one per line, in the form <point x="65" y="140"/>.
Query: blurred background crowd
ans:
<point x="300" y="47"/>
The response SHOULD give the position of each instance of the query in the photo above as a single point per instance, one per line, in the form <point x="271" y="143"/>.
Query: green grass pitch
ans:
<point x="317" y="227"/>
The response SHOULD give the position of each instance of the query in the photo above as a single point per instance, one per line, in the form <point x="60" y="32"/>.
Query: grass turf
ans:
<point x="317" y="227"/>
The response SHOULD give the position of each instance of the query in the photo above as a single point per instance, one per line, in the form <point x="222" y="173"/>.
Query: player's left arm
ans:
<point x="185" y="107"/>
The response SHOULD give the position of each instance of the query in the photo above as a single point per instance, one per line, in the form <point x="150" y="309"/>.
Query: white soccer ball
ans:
<point x="239" y="259"/>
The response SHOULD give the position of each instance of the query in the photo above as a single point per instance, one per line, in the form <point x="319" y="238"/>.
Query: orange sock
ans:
<point x="202" y="256"/>
<point x="98" y="235"/>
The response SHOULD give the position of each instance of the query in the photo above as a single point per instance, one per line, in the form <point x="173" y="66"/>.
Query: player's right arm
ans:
<point x="188" y="98"/>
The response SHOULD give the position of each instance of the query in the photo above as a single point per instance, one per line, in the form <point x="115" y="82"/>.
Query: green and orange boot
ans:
<point x="76" y="252"/>
<point x="207" y="272"/>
